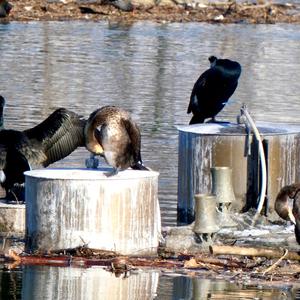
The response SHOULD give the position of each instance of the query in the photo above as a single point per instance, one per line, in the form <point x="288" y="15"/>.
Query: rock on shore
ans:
<point x="259" y="11"/>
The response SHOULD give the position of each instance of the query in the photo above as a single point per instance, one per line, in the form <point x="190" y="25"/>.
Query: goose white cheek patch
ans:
<point x="2" y="176"/>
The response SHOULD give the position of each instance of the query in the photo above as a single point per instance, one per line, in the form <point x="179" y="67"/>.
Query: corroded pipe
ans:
<point x="205" y="214"/>
<point x="222" y="184"/>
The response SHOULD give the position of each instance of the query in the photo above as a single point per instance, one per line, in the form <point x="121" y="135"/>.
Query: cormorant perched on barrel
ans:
<point x="213" y="89"/>
<point x="53" y="139"/>
<point x="111" y="133"/>
<point x="287" y="211"/>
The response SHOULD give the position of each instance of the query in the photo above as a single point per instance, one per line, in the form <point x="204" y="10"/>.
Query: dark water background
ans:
<point x="148" y="69"/>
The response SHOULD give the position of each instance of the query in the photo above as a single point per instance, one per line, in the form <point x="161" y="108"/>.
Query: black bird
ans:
<point x="110" y="132"/>
<point x="5" y="8"/>
<point x="53" y="139"/>
<point x="213" y="89"/>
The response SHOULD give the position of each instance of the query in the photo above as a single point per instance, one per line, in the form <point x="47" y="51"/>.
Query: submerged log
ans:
<point x="75" y="261"/>
<point x="248" y="251"/>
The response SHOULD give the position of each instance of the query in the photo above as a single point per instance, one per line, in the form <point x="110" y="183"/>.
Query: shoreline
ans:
<point x="165" y="11"/>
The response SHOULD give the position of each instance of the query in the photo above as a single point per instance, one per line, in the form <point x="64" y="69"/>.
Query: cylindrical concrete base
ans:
<point x="66" y="208"/>
<point x="203" y="146"/>
<point x="12" y="219"/>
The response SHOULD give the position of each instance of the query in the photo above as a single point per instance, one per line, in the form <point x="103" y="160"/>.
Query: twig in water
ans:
<point x="286" y="251"/>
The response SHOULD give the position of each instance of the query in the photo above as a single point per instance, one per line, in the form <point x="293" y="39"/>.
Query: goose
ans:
<point x="111" y="133"/>
<point x="283" y="205"/>
<point x="213" y="89"/>
<point x="287" y="211"/>
<point x="5" y="8"/>
<point x="296" y="214"/>
<point x="51" y="140"/>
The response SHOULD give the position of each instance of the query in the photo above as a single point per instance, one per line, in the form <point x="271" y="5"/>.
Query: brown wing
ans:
<point x="59" y="135"/>
<point x="135" y="138"/>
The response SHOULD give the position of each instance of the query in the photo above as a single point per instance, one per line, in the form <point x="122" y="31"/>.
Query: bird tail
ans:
<point x="140" y="166"/>
<point x="196" y="120"/>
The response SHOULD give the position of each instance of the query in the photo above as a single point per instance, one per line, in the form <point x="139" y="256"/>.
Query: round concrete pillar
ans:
<point x="203" y="146"/>
<point x="66" y="208"/>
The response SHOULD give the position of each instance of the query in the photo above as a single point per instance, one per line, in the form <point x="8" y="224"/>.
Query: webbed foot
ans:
<point x="92" y="162"/>
<point x="114" y="172"/>
<point x="213" y="120"/>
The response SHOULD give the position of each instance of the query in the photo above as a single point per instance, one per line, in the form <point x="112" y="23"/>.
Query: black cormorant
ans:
<point x="53" y="139"/>
<point x="213" y="89"/>
<point x="5" y="8"/>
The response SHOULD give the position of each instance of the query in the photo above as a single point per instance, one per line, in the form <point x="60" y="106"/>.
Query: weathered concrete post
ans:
<point x="222" y="188"/>
<point x="203" y="146"/>
<point x="205" y="218"/>
<point x="66" y="208"/>
<point x="12" y="219"/>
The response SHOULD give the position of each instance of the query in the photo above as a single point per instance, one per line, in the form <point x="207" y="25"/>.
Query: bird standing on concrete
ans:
<point x="110" y="132"/>
<point x="53" y="139"/>
<point x="213" y="89"/>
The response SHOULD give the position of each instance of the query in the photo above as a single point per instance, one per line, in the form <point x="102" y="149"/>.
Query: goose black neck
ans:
<point x="1" y="118"/>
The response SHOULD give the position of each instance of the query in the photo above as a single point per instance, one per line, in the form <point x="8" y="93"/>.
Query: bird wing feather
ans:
<point x="135" y="138"/>
<point x="205" y="86"/>
<point x="60" y="134"/>
<point x="199" y="84"/>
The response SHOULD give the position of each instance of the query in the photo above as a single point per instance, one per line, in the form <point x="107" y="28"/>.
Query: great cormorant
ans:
<point x="213" y="89"/>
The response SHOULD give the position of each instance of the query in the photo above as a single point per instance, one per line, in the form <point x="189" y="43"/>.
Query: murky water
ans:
<point x="148" y="69"/>
<point x="52" y="283"/>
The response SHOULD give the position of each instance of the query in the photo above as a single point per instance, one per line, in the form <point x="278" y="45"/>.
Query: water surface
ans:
<point x="148" y="69"/>
<point x="52" y="283"/>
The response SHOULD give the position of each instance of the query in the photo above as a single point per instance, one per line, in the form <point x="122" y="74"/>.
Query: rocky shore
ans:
<point x="260" y="12"/>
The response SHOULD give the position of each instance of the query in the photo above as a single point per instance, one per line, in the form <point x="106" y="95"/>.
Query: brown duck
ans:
<point x="110" y="132"/>
<point x="285" y="210"/>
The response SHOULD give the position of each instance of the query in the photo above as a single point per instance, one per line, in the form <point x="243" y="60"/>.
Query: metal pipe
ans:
<point x="262" y="162"/>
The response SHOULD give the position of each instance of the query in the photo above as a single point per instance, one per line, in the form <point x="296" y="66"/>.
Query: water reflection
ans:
<point x="91" y="283"/>
<point x="43" y="282"/>
<point x="10" y="284"/>
<point x="201" y="288"/>
<point x="148" y="69"/>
